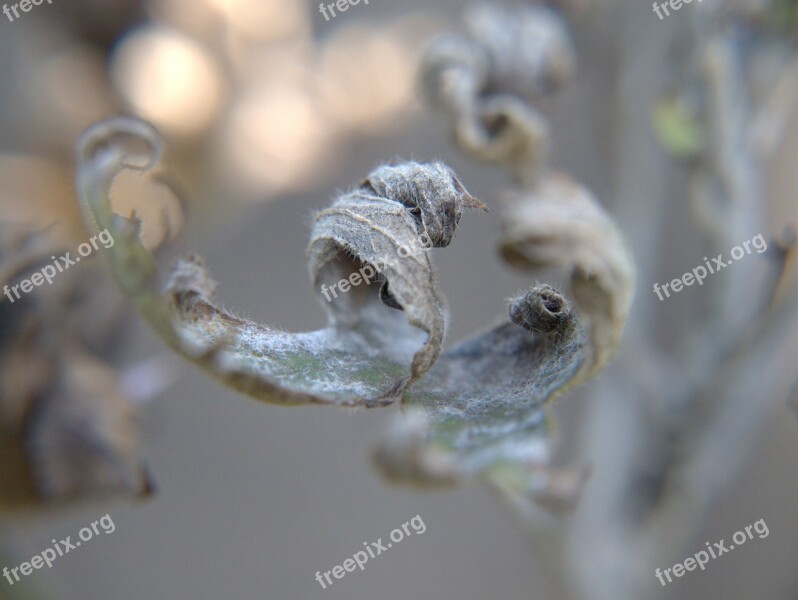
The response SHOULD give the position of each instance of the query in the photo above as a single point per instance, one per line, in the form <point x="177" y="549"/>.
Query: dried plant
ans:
<point x="477" y="409"/>
<point x="669" y="424"/>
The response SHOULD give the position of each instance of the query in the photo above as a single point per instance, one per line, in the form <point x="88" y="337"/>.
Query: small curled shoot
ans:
<point x="542" y="309"/>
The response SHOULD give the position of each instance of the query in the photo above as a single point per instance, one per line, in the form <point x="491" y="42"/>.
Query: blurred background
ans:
<point x="268" y="109"/>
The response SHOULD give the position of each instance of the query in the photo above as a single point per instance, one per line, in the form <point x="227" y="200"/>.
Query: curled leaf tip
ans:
<point x="433" y="193"/>
<point x="542" y="309"/>
<point x="112" y="133"/>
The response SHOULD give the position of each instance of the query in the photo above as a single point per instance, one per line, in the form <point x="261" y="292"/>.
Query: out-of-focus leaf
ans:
<point x="677" y="130"/>
<point x="67" y="433"/>
<point x="483" y="81"/>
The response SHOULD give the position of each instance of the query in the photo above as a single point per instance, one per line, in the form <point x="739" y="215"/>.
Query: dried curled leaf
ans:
<point x="378" y="223"/>
<point x="369" y="352"/>
<point x="559" y="224"/>
<point x="475" y="411"/>
<point x="479" y="411"/>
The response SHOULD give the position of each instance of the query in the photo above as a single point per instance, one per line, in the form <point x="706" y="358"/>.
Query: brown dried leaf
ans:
<point x="66" y="431"/>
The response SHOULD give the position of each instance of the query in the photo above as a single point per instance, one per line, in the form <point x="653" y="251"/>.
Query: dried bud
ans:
<point x="542" y="309"/>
